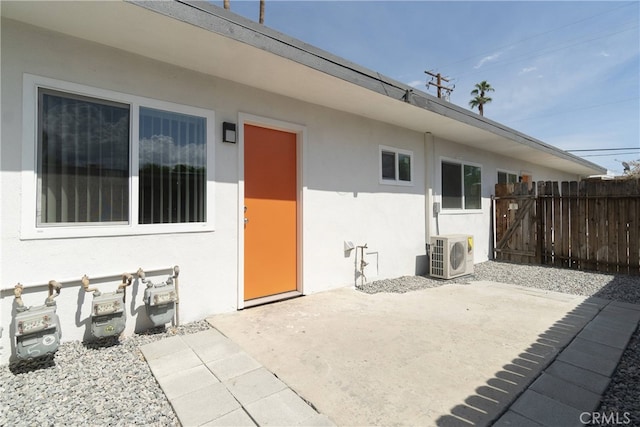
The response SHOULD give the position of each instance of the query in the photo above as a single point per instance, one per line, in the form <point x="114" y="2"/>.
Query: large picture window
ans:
<point x="83" y="170"/>
<point x="461" y="186"/>
<point x="172" y="176"/>
<point x="108" y="163"/>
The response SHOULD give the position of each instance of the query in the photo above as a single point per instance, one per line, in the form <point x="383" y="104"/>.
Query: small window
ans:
<point x="461" y="186"/>
<point x="507" y="178"/>
<point x="395" y="166"/>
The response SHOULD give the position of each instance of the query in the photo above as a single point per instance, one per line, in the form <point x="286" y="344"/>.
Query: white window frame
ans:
<point x="29" y="228"/>
<point x="462" y="164"/>
<point x="508" y="172"/>
<point x="397" y="180"/>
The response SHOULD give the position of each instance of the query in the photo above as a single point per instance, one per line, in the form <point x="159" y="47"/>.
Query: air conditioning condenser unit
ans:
<point x="451" y="256"/>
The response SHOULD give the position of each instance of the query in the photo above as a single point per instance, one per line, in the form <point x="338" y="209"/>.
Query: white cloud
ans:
<point x="487" y="59"/>
<point x="527" y="70"/>
<point x="605" y="54"/>
<point x="162" y="150"/>
<point x="416" y="83"/>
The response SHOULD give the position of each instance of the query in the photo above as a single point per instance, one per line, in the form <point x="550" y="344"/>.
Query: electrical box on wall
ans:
<point x="160" y="299"/>
<point x="108" y="314"/>
<point x="37" y="329"/>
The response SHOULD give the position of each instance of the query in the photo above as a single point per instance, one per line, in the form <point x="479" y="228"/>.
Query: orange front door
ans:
<point x="270" y="199"/>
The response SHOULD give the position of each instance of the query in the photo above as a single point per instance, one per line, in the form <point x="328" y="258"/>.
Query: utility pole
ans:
<point x="438" y="84"/>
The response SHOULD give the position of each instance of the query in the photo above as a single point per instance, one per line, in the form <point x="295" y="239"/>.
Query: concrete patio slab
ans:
<point x="212" y="345"/>
<point x="237" y="418"/>
<point x="626" y="305"/>
<point x="512" y="419"/>
<point x="284" y="408"/>
<point x="546" y="411"/>
<point x="173" y="362"/>
<point x="605" y="334"/>
<point x="204" y="405"/>
<point x="599" y="358"/>
<point x="233" y="366"/>
<point x="254" y="385"/>
<point x="566" y="392"/>
<point x="163" y="347"/>
<point x="186" y="381"/>
<point x="584" y="378"/>
<point x="452" y="354"/>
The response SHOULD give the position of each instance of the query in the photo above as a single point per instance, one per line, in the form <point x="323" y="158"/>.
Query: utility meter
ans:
<point x="161" y="299"/>
<point x="37" y="329"/>
<point x="108" y="314"/>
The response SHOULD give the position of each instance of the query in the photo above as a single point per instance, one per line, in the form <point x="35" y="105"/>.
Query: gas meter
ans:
<point x="108" y="314"/>
<point x="161" y="299"/>
<point x="37" y="329"/>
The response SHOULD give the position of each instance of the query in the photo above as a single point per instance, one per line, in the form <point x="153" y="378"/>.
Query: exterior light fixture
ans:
<point x="229" y="132"/>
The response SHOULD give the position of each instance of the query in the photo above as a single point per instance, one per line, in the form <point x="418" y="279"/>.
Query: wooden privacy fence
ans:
<point x="586" y="225"/>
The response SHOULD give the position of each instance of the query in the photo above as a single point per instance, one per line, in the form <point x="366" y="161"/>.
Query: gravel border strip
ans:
<point x="89" y="384"/>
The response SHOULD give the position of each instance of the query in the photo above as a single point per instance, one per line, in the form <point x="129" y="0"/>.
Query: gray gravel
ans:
<point x="623" y="288"/>
<point x="86" y="384"/>
<point x="622" y="395"/>
<point x="89" y="385"/>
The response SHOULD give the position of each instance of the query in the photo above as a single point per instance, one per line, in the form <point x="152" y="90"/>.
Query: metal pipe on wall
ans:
<point x="77" y="282"/>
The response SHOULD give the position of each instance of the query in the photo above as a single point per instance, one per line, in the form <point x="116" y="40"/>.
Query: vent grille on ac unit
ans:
<point x="437" y="258"/>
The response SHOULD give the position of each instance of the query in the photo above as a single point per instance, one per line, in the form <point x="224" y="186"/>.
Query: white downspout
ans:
<point x="429" y="151"/>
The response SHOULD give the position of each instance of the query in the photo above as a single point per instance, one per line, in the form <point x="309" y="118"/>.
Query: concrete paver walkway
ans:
<point x="211" y="381"/>
<point x="569" y="390"/>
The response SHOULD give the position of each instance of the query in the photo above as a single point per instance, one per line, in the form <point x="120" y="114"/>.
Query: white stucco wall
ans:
<point x="342" y="196"/>
<point x="476" y="222"/>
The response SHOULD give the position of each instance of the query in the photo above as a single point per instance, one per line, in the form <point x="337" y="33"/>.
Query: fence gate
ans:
<point x="586" y="225"/>
<point x="516" y="223"/>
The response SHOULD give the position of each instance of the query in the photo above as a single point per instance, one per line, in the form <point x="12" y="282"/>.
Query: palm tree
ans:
<point x="480" y="97"/>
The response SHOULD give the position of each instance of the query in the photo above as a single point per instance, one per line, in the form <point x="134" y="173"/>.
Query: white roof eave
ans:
<point x="211" y="40"/>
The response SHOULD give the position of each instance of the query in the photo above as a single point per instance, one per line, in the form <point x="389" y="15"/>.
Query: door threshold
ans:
<point x="272" y="298"/>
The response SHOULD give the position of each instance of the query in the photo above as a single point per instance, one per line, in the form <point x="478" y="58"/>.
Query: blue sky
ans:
<point x="565" y="72"/>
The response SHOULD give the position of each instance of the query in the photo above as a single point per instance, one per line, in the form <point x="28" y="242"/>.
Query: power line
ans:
<point x="607" y="155"/>
<point x="605" y="149"/>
